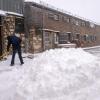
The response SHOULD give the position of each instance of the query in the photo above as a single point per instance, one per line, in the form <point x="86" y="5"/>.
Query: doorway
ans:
<point x="19" y="25"/>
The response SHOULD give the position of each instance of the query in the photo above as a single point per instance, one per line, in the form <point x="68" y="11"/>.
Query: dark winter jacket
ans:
<point x="14" y="41"/>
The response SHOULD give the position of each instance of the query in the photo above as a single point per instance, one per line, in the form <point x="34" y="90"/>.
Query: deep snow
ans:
<point x="59" y="74"/>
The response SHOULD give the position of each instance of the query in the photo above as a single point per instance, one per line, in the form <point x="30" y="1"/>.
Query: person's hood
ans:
<point x="16" y="34"/>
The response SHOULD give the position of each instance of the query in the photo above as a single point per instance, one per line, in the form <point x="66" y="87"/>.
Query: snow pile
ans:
<point x="56" y="74"/>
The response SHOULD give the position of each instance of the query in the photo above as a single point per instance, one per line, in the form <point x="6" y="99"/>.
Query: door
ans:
<point x="19" y="25"/>
<point x="47" y="39"/>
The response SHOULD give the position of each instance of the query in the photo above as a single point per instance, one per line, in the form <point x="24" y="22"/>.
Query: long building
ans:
<point x="48" y="28"/>
<point x="43" y="27"/>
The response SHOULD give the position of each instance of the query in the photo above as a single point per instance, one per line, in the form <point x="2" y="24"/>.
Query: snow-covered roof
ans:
<point x="43" y="3"/>
<point x="2" y="13"/>
<point x="13" y="13"/>
<point x="50" y="30"/>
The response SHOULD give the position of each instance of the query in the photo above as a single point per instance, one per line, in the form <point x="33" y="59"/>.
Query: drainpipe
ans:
<point x="43" y="29"/>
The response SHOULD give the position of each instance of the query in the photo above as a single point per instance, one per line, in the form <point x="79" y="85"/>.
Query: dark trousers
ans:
<point x="19" y="54"/>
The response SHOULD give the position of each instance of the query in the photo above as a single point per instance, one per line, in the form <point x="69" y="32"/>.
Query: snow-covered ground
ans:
<point x="59" y="74"/>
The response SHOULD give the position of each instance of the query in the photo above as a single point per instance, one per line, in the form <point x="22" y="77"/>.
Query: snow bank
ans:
<point x="56" y="74"/>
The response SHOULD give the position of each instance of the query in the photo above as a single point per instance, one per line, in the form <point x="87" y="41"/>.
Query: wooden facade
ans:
<point x="53" y="27"/>
<point x="16" y="6"/>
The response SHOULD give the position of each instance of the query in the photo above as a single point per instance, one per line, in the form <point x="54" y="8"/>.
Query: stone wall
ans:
<point x="35" y="41"/>
<point x="8" y="28"/>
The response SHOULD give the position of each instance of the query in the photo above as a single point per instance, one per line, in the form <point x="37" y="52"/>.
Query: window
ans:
<point x="53" y="16"/>
<point x="66" y="19"/>
<point x="77" y="22"/>
<point x="92" y="25"/>
<point x="89" y="38"/>
<point x="56" y="17"/>
<point x="70" y="36"/>
<point x="85" y="37"/>
<point x="56" y="38"/>
<point x="83" y="24"/>
<point x="50" y="15"/>
<point x="94" y="38"/>
<point x="77" y="36"/>
<point x="82" y="37"/>
<point x="87" y="24"/>
<point x="63" y="38"/>
<point x="72" y="20"/>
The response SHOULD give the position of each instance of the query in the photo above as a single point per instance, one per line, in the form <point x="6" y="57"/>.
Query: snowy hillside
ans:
<point x="60" y="74"/>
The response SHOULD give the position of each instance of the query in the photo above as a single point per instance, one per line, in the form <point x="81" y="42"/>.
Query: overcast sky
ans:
<point x="88" y="9"/>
